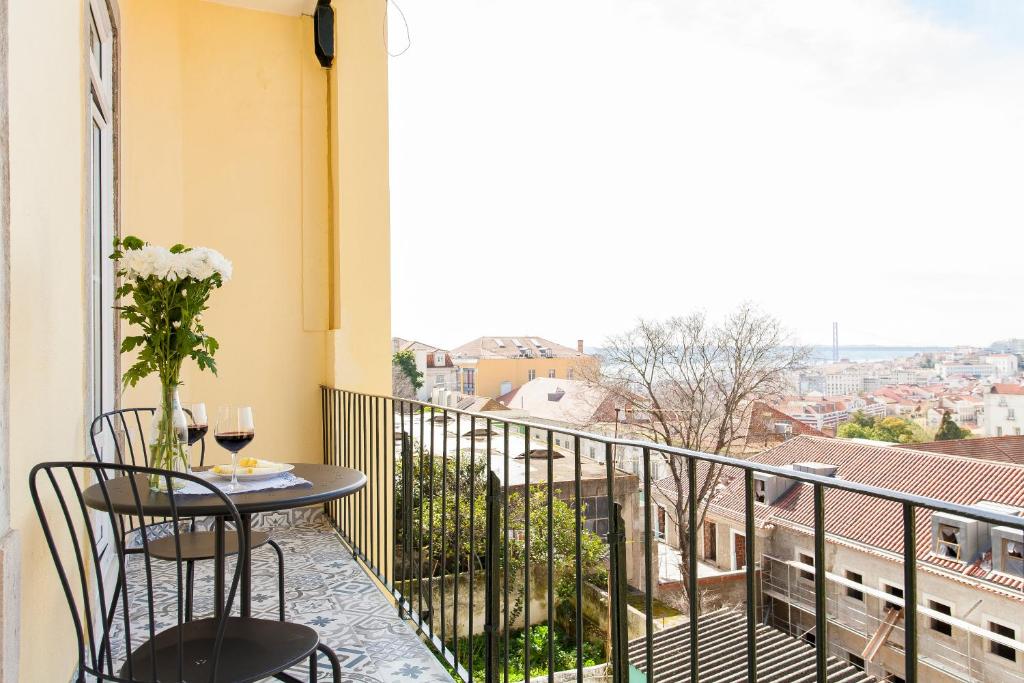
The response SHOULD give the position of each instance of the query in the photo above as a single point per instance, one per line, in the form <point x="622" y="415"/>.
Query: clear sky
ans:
<point x="561" y="168"/>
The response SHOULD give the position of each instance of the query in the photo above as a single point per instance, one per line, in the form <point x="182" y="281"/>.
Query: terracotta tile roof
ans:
<point x="506" y="347"/>
<point x="878" y="523"/>
<point x="562" y="400"/>
<point x="764" y="417"/>
<point x="1007" y="389"/>
<point x="1008" y="449"/>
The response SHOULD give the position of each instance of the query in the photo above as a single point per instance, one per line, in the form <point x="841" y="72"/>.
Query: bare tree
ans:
<point x="687" y="382"/>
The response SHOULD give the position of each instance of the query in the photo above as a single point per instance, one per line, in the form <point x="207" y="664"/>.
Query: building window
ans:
<point x="595" y="515"/>
<point x="710" y="541"/>
<point x="439" y="381"/>
<point x="439" y="359"/>
<point x="1013" y="557"/>
<point x="551" y="373"/>
<point x="998" y="649"/>
<point x="101" y="229"/>
<point x="852" y="592"/>
<point x="659" y="522"/>
<point x="469" y="381"/>
<point x="531" y="375"/>
<point x="940" y="626"/>
<point x="948" y="542"/>
<point x="570" y="373"/>
<point x="999" y="431"/>
<point x="895" y="591"/>
<point x="804" y="558"/>
<point x="759" y="494"/>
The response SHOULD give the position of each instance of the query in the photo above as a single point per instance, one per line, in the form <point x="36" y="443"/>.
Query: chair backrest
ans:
<point x="126" y="431"/>
<point x="117" y="603"/>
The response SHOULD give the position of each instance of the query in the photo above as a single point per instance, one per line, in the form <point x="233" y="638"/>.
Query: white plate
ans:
<point x="243" y="476"/>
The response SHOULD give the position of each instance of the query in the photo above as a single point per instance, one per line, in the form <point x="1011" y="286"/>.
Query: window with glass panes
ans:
<point x="100" y="218"/>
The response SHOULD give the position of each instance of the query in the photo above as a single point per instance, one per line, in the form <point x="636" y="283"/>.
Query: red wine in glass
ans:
<point x="234" y="441"/>
<point x="196" y="432"/>
<point x="234" y="431"/>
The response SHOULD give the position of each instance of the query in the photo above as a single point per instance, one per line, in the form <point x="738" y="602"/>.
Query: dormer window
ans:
<point x="759" y="494"/>
<point x="1008" y="550"/>
<point x="439" y="359"/>
<point x="957" y="538"/>
<point x="947" y="542"/>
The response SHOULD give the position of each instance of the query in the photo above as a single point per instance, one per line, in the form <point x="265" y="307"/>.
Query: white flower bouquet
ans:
<point x="169" y="290"/>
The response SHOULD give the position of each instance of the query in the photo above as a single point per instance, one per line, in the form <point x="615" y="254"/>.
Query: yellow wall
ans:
<point x="491" y="372"/>
<point x="360" y="348"/>
<point x="48" y="313"/>
<point x="234" y="154"/>
<point x="227" y="123"/>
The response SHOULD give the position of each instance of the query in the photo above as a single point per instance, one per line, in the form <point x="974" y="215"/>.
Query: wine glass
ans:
<point x="234" y="431"/>
<point x="198" y="424"/>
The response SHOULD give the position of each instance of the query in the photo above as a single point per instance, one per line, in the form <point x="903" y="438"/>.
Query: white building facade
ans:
<point x="1004" y="410"/>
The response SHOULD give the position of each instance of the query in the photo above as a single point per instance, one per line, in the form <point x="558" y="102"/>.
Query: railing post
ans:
<point x="617" y="569"/>
<point x="820" y="587"/>
<point x="407" y="547"/>
<point x="492" y="605"/>
<point x="910" y="593"/>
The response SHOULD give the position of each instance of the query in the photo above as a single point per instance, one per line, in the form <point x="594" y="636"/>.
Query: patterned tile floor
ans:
<point x="326" y="589"/>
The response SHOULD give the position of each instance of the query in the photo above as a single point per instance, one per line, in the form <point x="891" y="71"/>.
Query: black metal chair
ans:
<point x="148" y="628"/>
<point x="125" y="430"/>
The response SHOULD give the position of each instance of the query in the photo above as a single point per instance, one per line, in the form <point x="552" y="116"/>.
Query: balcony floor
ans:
<point x="324" y="588"/>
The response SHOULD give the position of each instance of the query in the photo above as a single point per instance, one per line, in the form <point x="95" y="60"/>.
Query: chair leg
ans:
<point x="280" y="576"/>
<point x="333" y="658"/>
<point x="189" y="581"/>
<point x="312" y="668"/>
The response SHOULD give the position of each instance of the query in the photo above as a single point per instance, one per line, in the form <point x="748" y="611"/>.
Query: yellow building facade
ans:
<point x="492" y="366"/>
<point x="221" y="129"/>
<point x="493" y="377"/>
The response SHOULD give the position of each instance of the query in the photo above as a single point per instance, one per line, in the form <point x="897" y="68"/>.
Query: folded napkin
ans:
<point x="285" y="480"/>
<point x="251" y="466"/>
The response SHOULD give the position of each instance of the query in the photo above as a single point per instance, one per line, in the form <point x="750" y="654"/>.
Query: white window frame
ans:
<point x="100" y="227"/>
<point x="100" y="222"/>
<point x="531" y="375"/>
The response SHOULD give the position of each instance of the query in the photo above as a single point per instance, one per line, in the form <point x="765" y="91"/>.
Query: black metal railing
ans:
<point x="454" y="518"/>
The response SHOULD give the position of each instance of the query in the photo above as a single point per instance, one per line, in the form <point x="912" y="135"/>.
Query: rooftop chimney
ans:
<point x="579" y="345"/>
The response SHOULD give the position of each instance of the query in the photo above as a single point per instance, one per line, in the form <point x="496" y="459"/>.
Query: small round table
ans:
<point x="330" y="482"/>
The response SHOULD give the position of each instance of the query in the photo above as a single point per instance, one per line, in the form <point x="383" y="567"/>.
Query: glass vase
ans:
<point x="168" y="439"/>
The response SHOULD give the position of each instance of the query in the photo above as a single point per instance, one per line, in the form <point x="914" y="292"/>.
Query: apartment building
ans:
<point x="1004" y="408"/>
<point x="951" y="369"/>
<point x="493" y="366"/>
<point x="970" y="578"/>
<point x="843" y="384"/>
<point x="1006" y="364"/>
<point x="436" y="365"/>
